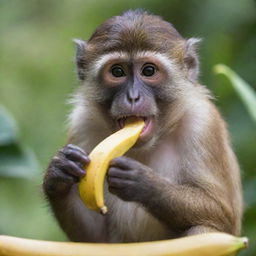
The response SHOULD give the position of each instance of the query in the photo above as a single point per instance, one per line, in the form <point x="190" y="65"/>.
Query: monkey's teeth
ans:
<point x="121" y="122"/>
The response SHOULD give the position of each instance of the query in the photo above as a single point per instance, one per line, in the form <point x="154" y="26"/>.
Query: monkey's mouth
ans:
<point x="147" y="129"/>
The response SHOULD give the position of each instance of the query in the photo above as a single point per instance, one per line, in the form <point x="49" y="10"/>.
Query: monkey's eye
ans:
<point x="117" y="71"/>
<point x="148" y="70"/>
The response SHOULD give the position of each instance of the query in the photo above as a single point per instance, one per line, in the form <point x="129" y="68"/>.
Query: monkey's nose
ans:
<point x="133" y="95"/>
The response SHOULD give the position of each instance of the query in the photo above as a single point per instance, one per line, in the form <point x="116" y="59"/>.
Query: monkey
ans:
<point x="182" y="177"/>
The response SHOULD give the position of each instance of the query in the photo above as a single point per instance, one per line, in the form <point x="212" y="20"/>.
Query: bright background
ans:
<point x="37" y="75"/>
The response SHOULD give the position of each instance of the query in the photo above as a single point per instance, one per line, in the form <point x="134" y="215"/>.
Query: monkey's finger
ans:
<point x="75" y="155"/>
<point x="57" y="181"/>
<point x="114" y="172"/>
<point x="118" y="183"/>
<point x="68" y="166"/>
<point x="59" y="176"/>
<point x="75" y="147"/>
<point x="113" y="190"/>
<point x="124" y="162"/>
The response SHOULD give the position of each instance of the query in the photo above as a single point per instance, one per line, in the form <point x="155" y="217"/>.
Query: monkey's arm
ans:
<point x="180" y="207"/>
<point x="189" y="208"/>
<point x="60" y="187"/>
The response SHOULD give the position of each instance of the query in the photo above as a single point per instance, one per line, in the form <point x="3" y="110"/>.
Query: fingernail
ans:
<point x="86" y="159"/>
<point x="83" y="172"/>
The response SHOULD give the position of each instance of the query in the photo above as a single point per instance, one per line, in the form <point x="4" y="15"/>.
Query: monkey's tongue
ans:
<point x="148" y="127"/>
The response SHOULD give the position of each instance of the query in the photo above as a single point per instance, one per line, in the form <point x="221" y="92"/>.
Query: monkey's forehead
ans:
<point x="134" y="31"/>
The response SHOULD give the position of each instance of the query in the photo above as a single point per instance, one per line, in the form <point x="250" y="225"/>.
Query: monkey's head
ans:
<point x="138" y="65"/>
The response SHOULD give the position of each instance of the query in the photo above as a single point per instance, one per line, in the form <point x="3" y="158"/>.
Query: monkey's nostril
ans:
<point x="135" y="99"/>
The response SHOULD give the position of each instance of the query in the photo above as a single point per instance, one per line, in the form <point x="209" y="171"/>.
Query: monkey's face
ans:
<point x="138" y="65"/>
<point x="134" y="86"/>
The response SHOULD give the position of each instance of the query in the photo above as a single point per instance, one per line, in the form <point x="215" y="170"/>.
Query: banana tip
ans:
<point x="103" y="210"/>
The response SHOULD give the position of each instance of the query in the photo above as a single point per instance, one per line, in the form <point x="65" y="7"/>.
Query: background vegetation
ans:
<point x="38" y="74"/>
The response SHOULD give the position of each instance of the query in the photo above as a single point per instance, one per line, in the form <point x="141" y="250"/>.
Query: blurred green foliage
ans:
<point x="16" y="161"/>
<point x="244" y="90"/>
<point x="38" y="75"/>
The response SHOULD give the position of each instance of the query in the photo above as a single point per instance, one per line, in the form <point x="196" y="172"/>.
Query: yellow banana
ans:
<point x="92" y="185"/>
<point x="211" y="244"/>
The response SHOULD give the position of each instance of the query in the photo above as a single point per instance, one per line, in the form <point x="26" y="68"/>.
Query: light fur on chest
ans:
<point x="129" y="222"/>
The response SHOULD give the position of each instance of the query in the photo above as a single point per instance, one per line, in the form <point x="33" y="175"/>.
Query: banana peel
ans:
<point x="210" y="244"/>
<point x="91" y="187"/>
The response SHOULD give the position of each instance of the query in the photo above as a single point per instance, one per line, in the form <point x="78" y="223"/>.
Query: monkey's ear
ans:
<point x="191" y="58"/>
<point x="80" y="57"/>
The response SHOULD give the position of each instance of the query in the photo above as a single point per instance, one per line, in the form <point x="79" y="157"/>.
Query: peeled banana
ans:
<point x="211" y="244"/>
<point x="91" y="187"/>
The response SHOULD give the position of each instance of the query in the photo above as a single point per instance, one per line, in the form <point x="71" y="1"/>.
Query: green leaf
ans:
<point x="8" y="128"/>
<point x="16" y="160"/>
<point x="244" y="90"/>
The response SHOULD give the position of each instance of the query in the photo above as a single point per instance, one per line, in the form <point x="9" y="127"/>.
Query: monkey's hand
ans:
<point x="130" y="180"/>
<point x="65" y="169"/>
